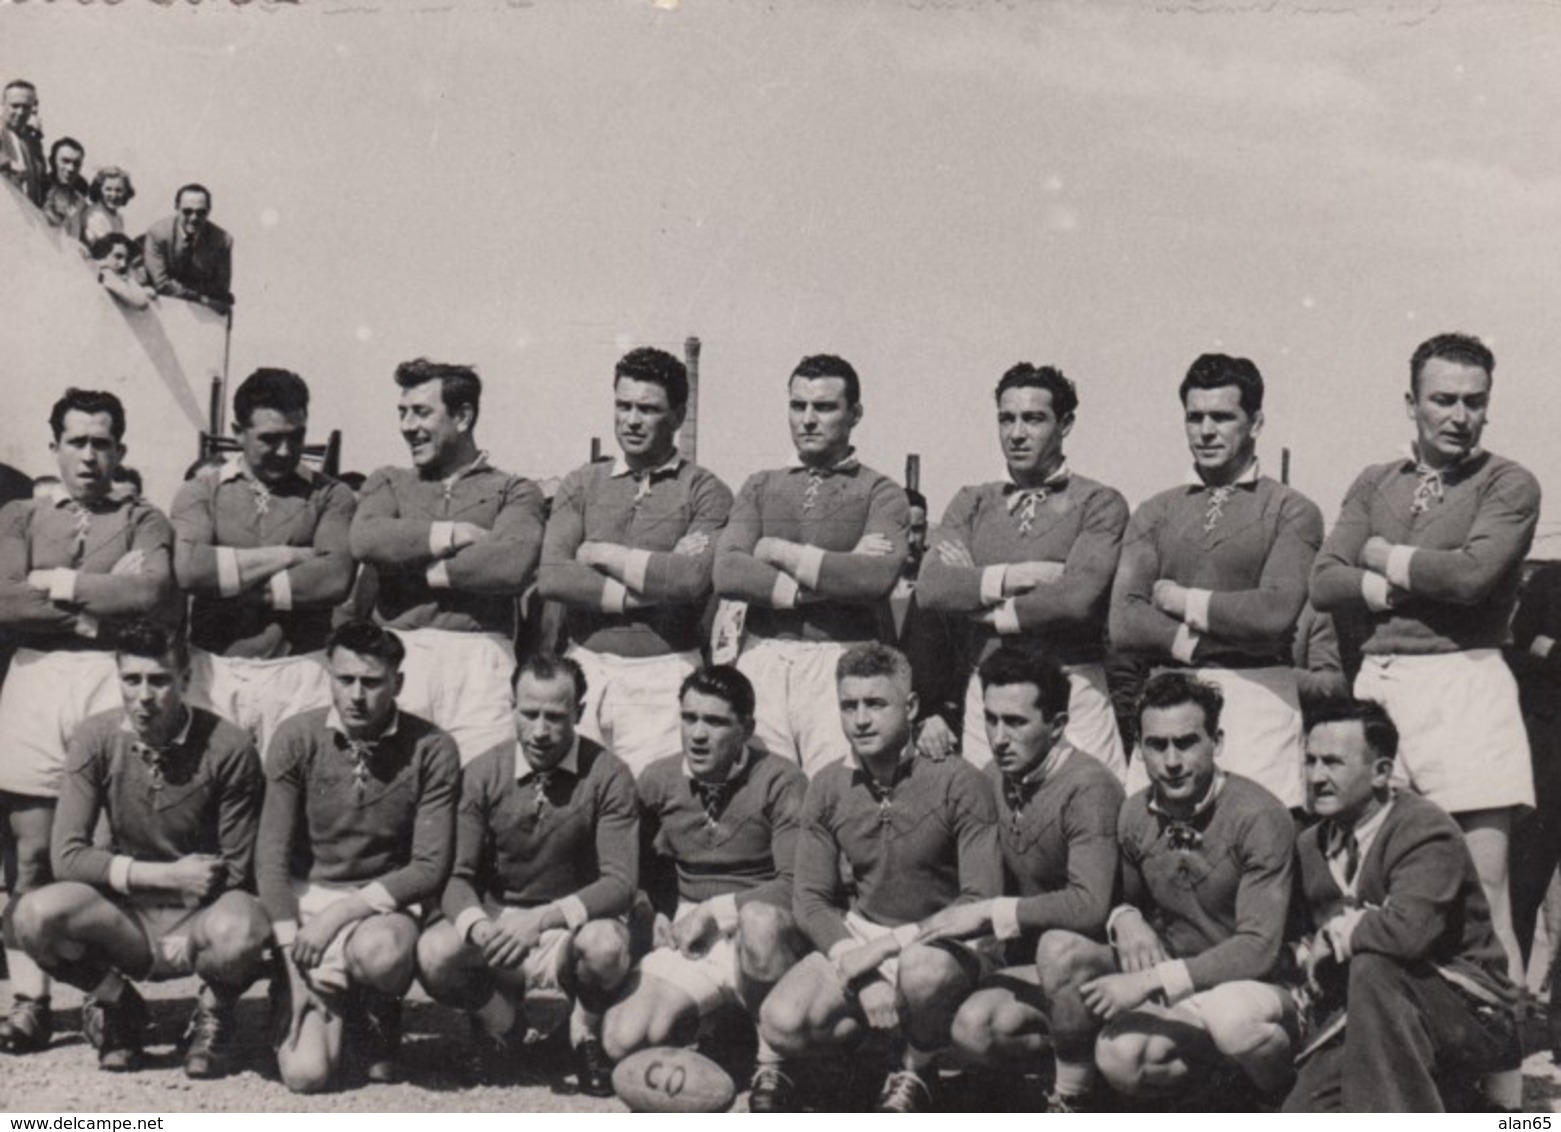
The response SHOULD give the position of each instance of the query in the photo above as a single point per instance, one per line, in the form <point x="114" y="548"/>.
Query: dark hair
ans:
<point x="646" y="363"/>
<point x="91" y="402"/>
<point x="354" y="480"/>
<point x="458" y="385"/>
<point x="366" y="639"/>
<point x="1172" y="689"/>
<point x="21" y="84"/>
<point x="724" y="682"/>
<point x="914" y="498"/>
<point x="103" y="245"/>
<point x="1376" y="725"/>
<point x="152" y="641"/>
<point x="266" y="388"/>
<point x="829" y="365"/>
<point x="1465" y="349"/>
<point x="871" y="659"/>
<point x="65" y="143"/>
<point x="193" y="187"/>
<point x="1216" y="371"/>
<point x="111" y="173"/>
<point x="546" y="666"/>
<point x="1065" y="398"/>
<point x="1011" y="665"/>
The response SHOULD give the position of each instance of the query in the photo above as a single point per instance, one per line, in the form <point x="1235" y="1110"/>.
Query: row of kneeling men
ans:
<point x="1023" y="917"/>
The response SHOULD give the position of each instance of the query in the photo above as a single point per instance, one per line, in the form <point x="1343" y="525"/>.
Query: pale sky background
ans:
<point x="933" y="190"/>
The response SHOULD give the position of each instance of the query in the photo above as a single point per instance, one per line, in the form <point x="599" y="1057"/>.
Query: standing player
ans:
<point x="356" y="839"/>
<point x="720" y="823"/>
<point x="1403" y="929"/>
<point x="75" y="563"/>
<point x="453" y="542"/>
<point x="165" y="897"/>
<point x="1032" y="560"/>
<point x="1432" y="546"/>
<point x="1206" y="873"/>
<point x="629" y="549"/>
<point x="260" y="543"/>
<point x="916" y="836"/>
<point x="547" y="859"/>
<point x="1057" y="813"/>
<point x="1213" y="576"/>
<point x="814" y="549"/>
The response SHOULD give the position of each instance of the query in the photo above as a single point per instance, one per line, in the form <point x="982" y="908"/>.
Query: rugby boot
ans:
<point x="593" y="1069"/>
<point x="772" y="1090"/>
<point x="29" y="1025"/>
<point x="209" y="1038"/>
<point x="904" y="1091"/>
<point x="117" y="1032"/>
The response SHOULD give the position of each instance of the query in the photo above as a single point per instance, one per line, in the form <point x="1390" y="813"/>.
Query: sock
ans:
<point x="583" y="1024"/>
<point x="1075" y="1078"/>
<point x="497" y="1016"/>
<point x="27" y="978"/>
<point x="766" y="1055"/>
<point x="108" y="991"/>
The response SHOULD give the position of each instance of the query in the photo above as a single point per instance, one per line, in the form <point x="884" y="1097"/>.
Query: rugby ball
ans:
<point x="672" y="1079"/>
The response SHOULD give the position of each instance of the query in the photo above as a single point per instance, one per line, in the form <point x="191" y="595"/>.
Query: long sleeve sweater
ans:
<point x="1469" y="544"/>
<point x="1221" y="906"/>
<point x="602" y="503"/>
<point x="579" y="839"/>
<point x="1079" y="525"/>
<point x="1254" y="558"/>
<point x="851" y="599"/>
<point x="748" y="851"/>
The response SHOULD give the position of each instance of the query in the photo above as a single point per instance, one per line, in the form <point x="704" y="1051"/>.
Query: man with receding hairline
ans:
<point x="21" y="143"/>
<point x="189" y="257"/>
<point x="814" y="549"/>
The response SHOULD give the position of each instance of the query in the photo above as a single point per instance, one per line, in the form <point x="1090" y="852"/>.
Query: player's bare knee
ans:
<point x="784" y="1019"/>
<point x="306" y="1072"/>
<point x="35" y="920"/>
<point x="382" y="954"/>
<point x="602" y="956"/>
<point x="768" y="942"/>
<point x="973" y="1033"/>
<point x="438" y="952"/>
<point x="929" y="975"/>
<point x="230" y="940"/>
<point x="1064" y="959"/>
<point x="1120" y="1055"/>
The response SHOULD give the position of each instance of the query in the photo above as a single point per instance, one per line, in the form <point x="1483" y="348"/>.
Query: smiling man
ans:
<point x="77" y="563"/>
<point x="1403" y="931"/>
<point x="453" y="542"/>
<point x="1431" y="546"/>
<point x="720" y="825"/>
<point x="356" y="840"/>
<point x="1213" y="577"/>
<point x="815" y="550"/>
<point x="547" y="859"/>
<point x="629" y="549"/>
<point x="1031" y="560"/>
<point x="179" y="791"/>
<point x="65" y="202"/>
<point x="261" y="546"/>
<point x="1179" y="991"/>
<point x="189" y="257"/>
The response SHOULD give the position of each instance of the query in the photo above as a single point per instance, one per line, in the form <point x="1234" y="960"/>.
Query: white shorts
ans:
<point x="798" y="712"/>
<point x="167" y="930"/>
<point x="631" y="703"/>
<point x="1092" y="723"/>
<point x="988" y="952"/>
<point x="45" y="698"/>
<point x="460" y="682"/>
<point x="329" y="975"/>
<point x="1461" y="738"/>
<point x="259" y="694"/>
<point x="1262" y="724"/>
<point x="710" y="980"/>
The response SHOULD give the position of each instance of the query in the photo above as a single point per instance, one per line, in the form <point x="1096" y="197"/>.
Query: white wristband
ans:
<point x="572" y="909"/>
<point x="992" y="580"/>
<point x="614" y="595"/>
<point x="1541" y="646"/>
<point x="1005" y="618"/>
<point x="1374" y="592"/>
<point x="1196" y="614"/>
<point x="1397" y="568"/>
<point x="810" y="560"/>
<point x="441" y="538"/>
<point x="228" y="581"/>
<point x="1186" y="642"/>
<point x="469" y="919"/>
<point x="783" y="595"/>
<point x="119" y="874"/>
<point x="438" y="574"/>
<point x="280" y="586"/>
<point x="1005" y="917"/>
<point x="636" y="565"/>
<point x="378" y="897"/>
<point x="1175" y="980"/>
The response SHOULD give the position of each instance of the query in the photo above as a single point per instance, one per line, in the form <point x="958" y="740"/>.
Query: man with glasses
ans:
<point x="188" y="256"/>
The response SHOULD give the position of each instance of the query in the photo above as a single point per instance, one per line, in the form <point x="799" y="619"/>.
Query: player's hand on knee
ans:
<point x="197" y="877"/>
<point x="695" y="933"/>
<point x="1110" y="995"/>
<point x="1138" y="947"/>
<point x="935" y="739"/>
<point x="878" y="1005"/>
<point x="516" y="932"/>
<point x="959" y="921"/>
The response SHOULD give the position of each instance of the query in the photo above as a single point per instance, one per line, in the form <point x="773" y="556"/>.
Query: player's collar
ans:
<point x="847" y="463"/>
<point x="56" y="495"/>
<point x="1247" y="478"/>
<point x="1055" y="758"/>
<point x="236" y="468"/>
<point x="1205" y="804"/>
<point x="178" y="739"/>
<point x="1058" y="478"/>
<point x="479" y="463"/>
<point x="1411" y="454"/>
<point x="907" y="762"/>
<point x="669" y="466"/>
<point x="333" y="721"/>
<point x="525" y="772"/>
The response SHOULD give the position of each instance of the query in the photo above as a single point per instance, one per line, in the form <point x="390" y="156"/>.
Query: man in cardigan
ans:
<point x="453" y="542"/>
<point x="546" y="863"/>
<point x="1032" y="560"/>
<point x="814" y="549"/>
<point x="1213" y="576"/>
<point x="1057" y="812"/>
<point x="720" y="825"/>
<point x="1431" y="546"/>
<point x="180" y="791"/>
<point x="915" y="835"/>
<point x="1206" y="875"/>
<point x="1403" y="929"/>
<point x="260" y="544"/>
<point x="628" y="552"/>
<point x="356" y="839"/>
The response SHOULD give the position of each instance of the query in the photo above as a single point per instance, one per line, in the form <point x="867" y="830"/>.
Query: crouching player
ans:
<point x="164" y="896"/>
<point x="1057" y="813"/>
<point x="356" y="838"/>
<point x="547" y="860"/>
<point x="720" y="824"/>
<point x="916" y="836"/>
<point x="1206" y="875"/>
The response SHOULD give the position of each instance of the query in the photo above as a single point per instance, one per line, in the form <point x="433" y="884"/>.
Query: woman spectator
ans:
<point x="111" y="190"/>
<point x="113" y="253"/>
